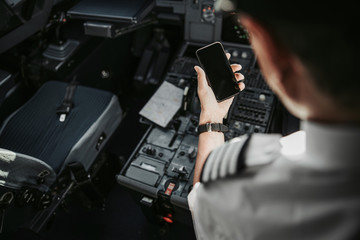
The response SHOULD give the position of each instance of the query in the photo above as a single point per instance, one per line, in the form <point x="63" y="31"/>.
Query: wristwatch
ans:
<point x="212" y="127"/>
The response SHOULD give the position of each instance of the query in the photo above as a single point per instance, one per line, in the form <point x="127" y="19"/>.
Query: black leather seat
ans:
<point x="44" y="136"/>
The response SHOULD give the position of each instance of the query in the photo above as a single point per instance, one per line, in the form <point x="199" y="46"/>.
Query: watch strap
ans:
<point x="212" y="127"/>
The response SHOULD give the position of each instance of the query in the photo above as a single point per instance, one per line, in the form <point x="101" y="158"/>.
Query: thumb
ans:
<point x="202" y="83"/>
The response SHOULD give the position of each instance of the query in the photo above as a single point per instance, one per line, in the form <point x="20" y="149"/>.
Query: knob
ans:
<point x="192" y="152"/>
<point x="244" y="55"/>
<point x="208" y="14"/>
<point x="235" y="53"/>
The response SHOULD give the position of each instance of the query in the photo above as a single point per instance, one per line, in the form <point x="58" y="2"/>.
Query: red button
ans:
<point x="169" y="220"/>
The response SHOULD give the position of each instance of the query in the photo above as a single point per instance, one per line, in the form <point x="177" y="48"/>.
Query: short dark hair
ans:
<point x="323" y="36"/>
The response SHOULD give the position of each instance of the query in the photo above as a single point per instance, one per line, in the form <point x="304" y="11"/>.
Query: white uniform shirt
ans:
<point x="306" y="187"/>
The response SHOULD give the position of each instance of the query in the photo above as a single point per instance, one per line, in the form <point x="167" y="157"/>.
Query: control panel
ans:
<point x="252" y="110"/>
<point x="163" y="163"/>
<point x="161" y="167"/>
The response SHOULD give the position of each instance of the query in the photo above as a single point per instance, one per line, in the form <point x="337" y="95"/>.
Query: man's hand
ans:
<point x="211" y="110"/>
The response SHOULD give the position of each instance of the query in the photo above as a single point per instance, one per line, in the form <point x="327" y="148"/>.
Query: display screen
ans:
<point x="232" y="30"/>
<point x="218" y="71"/>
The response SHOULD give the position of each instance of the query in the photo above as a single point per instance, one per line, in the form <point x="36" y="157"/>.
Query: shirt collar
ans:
<point x="332" y="145"/>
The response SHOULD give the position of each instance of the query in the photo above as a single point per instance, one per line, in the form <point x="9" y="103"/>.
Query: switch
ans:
<point x="150" y="150"/>
<point x="181" y="171"/>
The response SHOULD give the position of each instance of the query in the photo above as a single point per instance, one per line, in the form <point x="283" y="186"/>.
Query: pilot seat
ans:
<point x="50" y="146"/>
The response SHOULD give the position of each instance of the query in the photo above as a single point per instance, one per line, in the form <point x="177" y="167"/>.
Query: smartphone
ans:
<point x="219" y="75"/>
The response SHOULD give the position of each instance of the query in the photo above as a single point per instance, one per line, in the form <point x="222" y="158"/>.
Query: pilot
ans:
<point x="300" y="186"/>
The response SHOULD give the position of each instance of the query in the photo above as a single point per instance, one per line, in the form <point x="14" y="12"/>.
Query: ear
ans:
<point x="278" y="65"/>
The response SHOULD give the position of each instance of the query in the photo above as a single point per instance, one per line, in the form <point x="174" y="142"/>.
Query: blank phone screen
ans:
<point x="218" y="71"/>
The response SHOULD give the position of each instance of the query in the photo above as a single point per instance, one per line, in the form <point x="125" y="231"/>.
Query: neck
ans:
<point x="328" y="111"/>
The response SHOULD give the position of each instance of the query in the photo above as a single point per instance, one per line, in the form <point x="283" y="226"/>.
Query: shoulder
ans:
<point x="240" y="154"/>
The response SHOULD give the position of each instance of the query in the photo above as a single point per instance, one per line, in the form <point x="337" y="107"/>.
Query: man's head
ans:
<point x="309" y="54"/>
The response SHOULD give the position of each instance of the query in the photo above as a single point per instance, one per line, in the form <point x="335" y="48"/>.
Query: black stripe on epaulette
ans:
<point x="241" y="163"/>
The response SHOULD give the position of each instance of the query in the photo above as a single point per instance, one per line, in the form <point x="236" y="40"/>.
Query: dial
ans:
<point x="208" y="13"/>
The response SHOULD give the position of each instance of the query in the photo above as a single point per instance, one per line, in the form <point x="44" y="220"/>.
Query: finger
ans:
<point x="228" y="55"/>
<point x="236" y="67"/>
<point x="239" y="76"/>
<point x="202" y="83"/>
<point x="241" y="86"/>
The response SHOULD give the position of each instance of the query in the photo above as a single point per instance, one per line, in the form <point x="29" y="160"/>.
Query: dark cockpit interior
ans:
<point x="99" y="114"/>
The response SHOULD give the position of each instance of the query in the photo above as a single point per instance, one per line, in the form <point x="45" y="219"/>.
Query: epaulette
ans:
<point x="240" y="154"/>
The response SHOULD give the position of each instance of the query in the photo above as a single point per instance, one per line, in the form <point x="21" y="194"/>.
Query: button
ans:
<point x="235" y="53"/>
